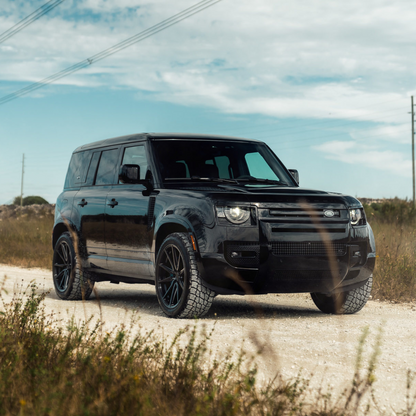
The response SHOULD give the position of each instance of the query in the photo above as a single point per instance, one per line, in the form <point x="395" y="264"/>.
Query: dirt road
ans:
<point x="299" y="334"/>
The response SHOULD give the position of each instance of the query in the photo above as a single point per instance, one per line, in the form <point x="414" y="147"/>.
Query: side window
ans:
<point x="136" y="155"/>
<point x="258" y="168"/>
<point x="77" y="170"/>
<point x="107" y="167"/>
<point x="92" y="168"/>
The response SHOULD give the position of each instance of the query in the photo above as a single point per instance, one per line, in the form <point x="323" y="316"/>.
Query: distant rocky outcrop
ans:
<point x="13" y="211"/>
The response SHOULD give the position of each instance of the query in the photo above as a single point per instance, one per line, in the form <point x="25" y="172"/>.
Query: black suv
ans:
<point x="200" y="215"/>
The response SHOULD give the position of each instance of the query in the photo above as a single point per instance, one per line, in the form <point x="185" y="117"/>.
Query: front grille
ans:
<point x="308" y="249"/>
<point x="299" y="213"/>
<point x="308" y="230"/>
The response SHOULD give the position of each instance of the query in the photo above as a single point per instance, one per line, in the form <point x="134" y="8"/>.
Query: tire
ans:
<point x="178" y="283"/>
<point x="345" y="302"/>
<point x="69" y="281"/>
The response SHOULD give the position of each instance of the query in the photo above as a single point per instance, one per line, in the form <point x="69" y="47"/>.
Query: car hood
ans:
<point x="283" y="195"/>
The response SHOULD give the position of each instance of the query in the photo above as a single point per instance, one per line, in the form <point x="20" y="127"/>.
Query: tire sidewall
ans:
<point x="177" y="242"/>
<point x="67" y="238"/>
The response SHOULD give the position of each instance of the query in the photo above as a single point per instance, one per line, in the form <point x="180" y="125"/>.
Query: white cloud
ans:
<point x="282" y="59"/>
<point x="400" y="133"/>
<point x="371" y="157"/>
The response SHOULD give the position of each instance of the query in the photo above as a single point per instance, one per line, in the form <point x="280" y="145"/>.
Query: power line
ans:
<point x="47" y="7"/>
<point x="190" y="11"/>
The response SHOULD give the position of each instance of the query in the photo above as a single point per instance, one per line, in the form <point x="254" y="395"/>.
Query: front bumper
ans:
<point x="289" y="249"/>
<point x="263" y="269"/>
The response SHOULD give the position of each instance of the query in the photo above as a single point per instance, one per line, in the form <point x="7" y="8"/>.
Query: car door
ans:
<point x="128" y="230"/>
<point x="90" y="205"/>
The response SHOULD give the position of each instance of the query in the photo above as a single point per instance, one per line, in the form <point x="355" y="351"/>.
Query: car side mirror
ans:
<point x="295" y="174"/>
<point x="129" y="174"/>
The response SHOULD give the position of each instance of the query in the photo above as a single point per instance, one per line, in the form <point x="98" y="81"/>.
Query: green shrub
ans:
<point x="391" y="211"/>
<point x="30" y="200"/>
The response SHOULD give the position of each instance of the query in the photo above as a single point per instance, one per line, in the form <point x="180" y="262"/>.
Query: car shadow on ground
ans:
<point x="239" y="307"/>
<point x="223" y="307"/>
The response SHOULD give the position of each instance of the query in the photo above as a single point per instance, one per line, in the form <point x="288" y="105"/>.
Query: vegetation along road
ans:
<point x="294" y="335"/>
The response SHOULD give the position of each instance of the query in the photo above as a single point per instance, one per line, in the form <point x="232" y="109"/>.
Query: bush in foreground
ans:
<point x="48" y="370"/>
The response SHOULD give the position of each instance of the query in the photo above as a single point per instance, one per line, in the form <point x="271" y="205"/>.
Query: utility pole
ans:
<point x="413" y="150"/>
<point x="23" y="174"/>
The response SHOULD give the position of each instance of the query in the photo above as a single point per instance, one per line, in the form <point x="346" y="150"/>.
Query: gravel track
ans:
<point x="296" y="334"/>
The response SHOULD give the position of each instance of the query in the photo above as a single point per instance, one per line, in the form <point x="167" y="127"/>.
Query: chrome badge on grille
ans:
<point x="329" y="213"/>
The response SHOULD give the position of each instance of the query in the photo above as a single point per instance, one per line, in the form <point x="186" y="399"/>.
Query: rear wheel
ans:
<point x="70" y="282"/>
<point x="344" y="302"/>
<point x="179" y="289"/>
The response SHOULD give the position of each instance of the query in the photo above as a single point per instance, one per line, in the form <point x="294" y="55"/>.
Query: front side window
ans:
<point x="136" y="155"/>
<point x="107" y="167"/>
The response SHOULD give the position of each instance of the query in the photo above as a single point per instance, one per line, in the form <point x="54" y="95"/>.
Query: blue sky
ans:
<point x="326" y="84"/>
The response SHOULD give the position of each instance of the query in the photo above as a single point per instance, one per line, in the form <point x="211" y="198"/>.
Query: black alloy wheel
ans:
<point x="179" y="288"/>
<point x="172" y="276"/>
<point x="62" y="266"/>
<point x="70" y="282"/>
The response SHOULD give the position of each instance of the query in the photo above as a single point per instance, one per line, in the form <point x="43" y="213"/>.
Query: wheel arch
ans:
<point x="59" y="229"/>
<point x="168" y="228"/>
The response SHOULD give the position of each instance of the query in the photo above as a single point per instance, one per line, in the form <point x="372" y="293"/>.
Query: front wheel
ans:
<point x="179" y="289"/>
<point x="70" y="282"/>
<point x="344" y="302"/>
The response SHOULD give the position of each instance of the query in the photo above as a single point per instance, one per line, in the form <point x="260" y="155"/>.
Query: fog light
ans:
<point x="234" y="254"/>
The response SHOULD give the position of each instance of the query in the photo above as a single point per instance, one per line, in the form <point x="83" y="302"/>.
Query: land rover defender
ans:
<point x="201" y="215"/>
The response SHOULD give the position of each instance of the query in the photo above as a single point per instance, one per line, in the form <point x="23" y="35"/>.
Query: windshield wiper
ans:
<point x="260" y="180"/>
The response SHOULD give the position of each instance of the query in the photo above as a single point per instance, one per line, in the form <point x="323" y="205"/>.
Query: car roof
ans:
<point x="159" y="136"/>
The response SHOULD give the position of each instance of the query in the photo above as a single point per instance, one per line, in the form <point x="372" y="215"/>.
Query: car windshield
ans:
<point x="242" y="163"/>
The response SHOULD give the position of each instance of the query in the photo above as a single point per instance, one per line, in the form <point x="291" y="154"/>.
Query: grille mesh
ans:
<point x="307" y="249"/>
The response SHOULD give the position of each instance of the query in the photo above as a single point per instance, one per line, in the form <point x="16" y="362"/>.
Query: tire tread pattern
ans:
<point x="344" y="303"/>
<point x="200" y="298"/>
<point x="356" y="299"/>
<point x="82" y="285"/>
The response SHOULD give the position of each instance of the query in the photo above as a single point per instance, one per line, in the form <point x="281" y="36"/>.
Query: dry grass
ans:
<point x="25" y="241"/>
<point x="394" y="226"/>
<point x="78" y="370"/>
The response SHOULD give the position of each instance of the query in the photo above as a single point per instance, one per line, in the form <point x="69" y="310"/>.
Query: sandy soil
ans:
<point x="300" y="336"/>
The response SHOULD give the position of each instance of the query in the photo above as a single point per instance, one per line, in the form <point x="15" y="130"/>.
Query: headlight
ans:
<point x="236" y="215"/>
<point x="357" y="216"/>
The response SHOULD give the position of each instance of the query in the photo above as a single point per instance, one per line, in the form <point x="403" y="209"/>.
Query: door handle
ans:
<point x="113" y="203"/>
<point x="82" y="203"/>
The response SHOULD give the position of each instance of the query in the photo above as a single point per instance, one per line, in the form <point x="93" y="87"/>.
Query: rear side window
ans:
<point x="107" y="167"/>
<point x="93" y="168"/>
<point x="77" y="171"/>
